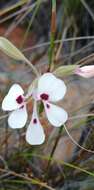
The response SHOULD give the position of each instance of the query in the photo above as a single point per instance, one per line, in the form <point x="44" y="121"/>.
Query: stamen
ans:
<point x="19" y="100"/>
<point x="34" y="120"/>
<point x="44" y="96"/>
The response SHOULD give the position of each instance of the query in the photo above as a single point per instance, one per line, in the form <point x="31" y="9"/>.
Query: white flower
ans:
<point x="15" y="101"/>
<point x="49" y="90"/>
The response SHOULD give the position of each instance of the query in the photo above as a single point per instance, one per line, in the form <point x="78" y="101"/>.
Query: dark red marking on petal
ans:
<point x="19" y="99"/>
<point x="34" y="120"/>
<point x="22" y="107"/>
<point x="44" y="96"/>
<point x="48" y="106"/>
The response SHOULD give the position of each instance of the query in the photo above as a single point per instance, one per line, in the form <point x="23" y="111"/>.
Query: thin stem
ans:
<point x="66" y="164"/>
<point x="81" y="116"/>
<point x="29" y="179"/>
<point x="53" y="151"/>
<point x="52" y="38"/>
<point x="12" y="7"/>
<point x="85" y="60"/>
<point x="58" y="41"/>
<point x="75" y="142"/>
<point x="33" y="67"/>
<point x="88" y="9"/>
<point x="18" y="12"/>
<point x="31" y="21"/>
<point x="18" y="21"/>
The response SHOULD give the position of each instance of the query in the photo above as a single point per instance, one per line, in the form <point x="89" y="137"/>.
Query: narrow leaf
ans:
<point x="8" y="48"/>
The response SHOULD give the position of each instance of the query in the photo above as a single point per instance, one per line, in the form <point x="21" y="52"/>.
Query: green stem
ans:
<point x="51" y="49"/>
<point x="30" y="23"/>
<point x="53" y="151"/>
<point x="50" y="159"/>
<point x="65" y="164"/>
<point x="12" y="7"/>
<point x="32" y="67"/>
<point x="54" y="4"/>
<point x="52" y="37"/>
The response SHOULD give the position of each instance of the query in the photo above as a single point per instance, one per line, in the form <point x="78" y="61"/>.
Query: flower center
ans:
<point x="34" y="120"/>
<point x="19" y="99"/>
<point x="44" y="96"/>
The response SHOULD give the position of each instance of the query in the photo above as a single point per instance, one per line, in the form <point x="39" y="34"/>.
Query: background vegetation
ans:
<point x="59" y="32"/>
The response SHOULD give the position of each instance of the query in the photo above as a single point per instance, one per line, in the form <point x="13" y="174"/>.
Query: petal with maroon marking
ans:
<point x="35" y="133"/>
<point x="49" y="85"/>
<point x="56" y="115"/>
<point x="9" y="103"/>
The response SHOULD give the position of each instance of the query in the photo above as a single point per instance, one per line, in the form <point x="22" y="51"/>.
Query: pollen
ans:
<point x="19" y="99"/>
<point x="44" y="96"/>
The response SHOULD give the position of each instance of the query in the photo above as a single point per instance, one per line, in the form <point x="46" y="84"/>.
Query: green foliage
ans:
<point x="71" y="7"/>
<point x="78" y="172"/>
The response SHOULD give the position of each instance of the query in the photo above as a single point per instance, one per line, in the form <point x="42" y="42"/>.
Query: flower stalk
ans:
<point x="53" y="151"/>
<point x="32" y="67"/>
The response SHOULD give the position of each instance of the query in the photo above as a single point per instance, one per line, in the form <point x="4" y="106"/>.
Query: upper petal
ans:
<point x="56" y="115"/>
<point x="18" y="118"/>
<point x="9" y="103"/>
<point x="35" y="133"/>
<point x="54" y="87"/>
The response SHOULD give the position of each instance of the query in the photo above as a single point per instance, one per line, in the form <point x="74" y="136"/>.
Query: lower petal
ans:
<point x="35" y="133"/>
<point x="18" y="118"/>
<point x="56" y="115"/>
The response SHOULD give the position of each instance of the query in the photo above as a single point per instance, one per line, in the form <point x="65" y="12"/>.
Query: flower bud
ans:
<point x="85" y="71"/>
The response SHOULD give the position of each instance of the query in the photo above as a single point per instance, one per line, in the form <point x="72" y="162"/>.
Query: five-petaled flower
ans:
<point x="49" y="90"/>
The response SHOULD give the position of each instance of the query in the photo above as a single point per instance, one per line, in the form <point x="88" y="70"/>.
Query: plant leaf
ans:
<point x="65" y="70"/>
<point x="8" y="48"/>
